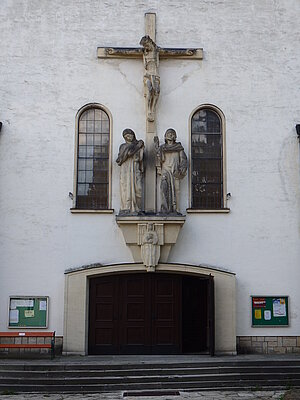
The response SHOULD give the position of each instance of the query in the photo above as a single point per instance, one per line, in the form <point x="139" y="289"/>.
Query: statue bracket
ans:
<point x="150" y="238"/>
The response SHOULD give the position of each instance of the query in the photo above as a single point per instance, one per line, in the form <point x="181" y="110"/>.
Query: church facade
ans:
<point x="149" y="172"/>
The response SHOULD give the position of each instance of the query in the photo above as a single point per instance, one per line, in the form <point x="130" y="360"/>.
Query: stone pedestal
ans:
<point x="165" y="228"/>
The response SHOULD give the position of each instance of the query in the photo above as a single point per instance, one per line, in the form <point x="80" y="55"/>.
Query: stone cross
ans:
<point x="151" y="54"/>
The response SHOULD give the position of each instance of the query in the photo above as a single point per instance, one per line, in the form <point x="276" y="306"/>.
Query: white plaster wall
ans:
<point x="49" y="69"/>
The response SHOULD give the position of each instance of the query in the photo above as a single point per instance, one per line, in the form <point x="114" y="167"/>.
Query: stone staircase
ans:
<point x="184" y="376"/>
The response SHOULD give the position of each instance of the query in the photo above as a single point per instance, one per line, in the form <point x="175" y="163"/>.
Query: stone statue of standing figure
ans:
<point x="171" y="163"/>
<point x="130" y="159"/>
<point x="151" y="77"/>
<point x="150" y="249"/>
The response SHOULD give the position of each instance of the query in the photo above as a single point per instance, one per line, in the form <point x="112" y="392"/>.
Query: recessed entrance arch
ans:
<point x="152" y="313"/>
<point x="76" y="308"/>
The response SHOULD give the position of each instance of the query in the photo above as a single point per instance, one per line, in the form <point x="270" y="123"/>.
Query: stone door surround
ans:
<point x="77" y="294"/>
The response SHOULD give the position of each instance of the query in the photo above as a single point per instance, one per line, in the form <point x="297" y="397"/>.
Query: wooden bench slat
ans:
<point x="26" y="334"/>
<point x="25" y="345"/>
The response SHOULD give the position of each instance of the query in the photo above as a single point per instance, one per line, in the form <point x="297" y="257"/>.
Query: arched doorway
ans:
<point x="151" y="313"/>
<point x="77" y="304"/>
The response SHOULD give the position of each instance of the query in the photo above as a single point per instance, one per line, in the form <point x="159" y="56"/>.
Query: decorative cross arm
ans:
<point x="195" y="54"/>
<point x="120" y="52"/>
<point x="137" y="52"/>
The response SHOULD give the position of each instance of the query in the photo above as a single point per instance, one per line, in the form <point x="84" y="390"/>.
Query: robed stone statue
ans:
<point x="171" y="162"/>
<point x="130" y="159"/>
<point x="150" y="248"/>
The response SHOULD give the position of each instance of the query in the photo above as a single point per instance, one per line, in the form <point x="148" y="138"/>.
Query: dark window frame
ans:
<point x="207" y="162"/>
<point x="92" y="183"/>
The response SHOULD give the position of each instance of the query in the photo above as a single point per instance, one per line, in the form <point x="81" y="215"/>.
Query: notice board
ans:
<point x="28" y="312"/>
<point x="270" y="311"/>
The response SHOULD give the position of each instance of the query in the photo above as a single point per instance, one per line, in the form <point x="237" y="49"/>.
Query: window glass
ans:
<point x="93" y="160"/>
<point x="206" y="160"/>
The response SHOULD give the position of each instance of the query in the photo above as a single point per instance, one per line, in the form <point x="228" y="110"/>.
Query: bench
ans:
<point x="36" y="345"/>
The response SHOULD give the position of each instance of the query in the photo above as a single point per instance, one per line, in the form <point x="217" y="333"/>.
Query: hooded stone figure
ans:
<point x="130" y="159"/>
<point x="171" y="162"/>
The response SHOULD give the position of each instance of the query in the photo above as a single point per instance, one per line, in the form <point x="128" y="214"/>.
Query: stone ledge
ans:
<point x="207" y="211"/>
<point x="131" y="219"/>
<point x="81" y="211"/>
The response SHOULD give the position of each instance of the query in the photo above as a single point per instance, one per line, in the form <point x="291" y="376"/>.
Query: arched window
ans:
<point x="93" y="158"/>
<point x="207" y="163"/>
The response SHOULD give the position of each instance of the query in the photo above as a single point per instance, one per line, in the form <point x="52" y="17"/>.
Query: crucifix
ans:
<point x="151" y="54"/>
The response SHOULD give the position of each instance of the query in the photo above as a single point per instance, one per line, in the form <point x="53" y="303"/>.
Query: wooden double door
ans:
<point x="151" y="313"/>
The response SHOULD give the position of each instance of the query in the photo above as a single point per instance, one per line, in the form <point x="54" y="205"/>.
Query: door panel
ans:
<point x="194" y="315"/>
<point x="151" y="313"/>
<point x="166" y="313"/>
<point x="135" y="314"/>
<point x="103" y="321"/>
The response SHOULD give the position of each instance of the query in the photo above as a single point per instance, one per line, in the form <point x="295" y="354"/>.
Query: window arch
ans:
<point x="207" y="189"/>
<point x="93" y="158"/>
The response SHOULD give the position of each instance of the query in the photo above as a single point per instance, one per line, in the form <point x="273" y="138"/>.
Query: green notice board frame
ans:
<point x="28" y="312"/>
<point x="270" y="311"/>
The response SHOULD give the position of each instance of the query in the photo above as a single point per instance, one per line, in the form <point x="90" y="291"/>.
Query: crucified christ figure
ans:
<point x="151" y="77"/>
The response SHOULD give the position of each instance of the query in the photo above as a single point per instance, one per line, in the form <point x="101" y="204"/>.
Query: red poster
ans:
<point x="259" y="302"/>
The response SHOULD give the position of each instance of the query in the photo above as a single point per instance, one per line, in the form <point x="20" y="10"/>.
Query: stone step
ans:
<point x="54" y="365"/>
<point x="145" y="379"/>
<point x="96" y="377"/>
<point x="182" y="386"/>
<point x="148" y="372"/>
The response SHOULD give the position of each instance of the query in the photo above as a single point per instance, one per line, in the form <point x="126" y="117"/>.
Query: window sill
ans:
<point x="207" y="210"/>
<point x="80" y="211"/>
